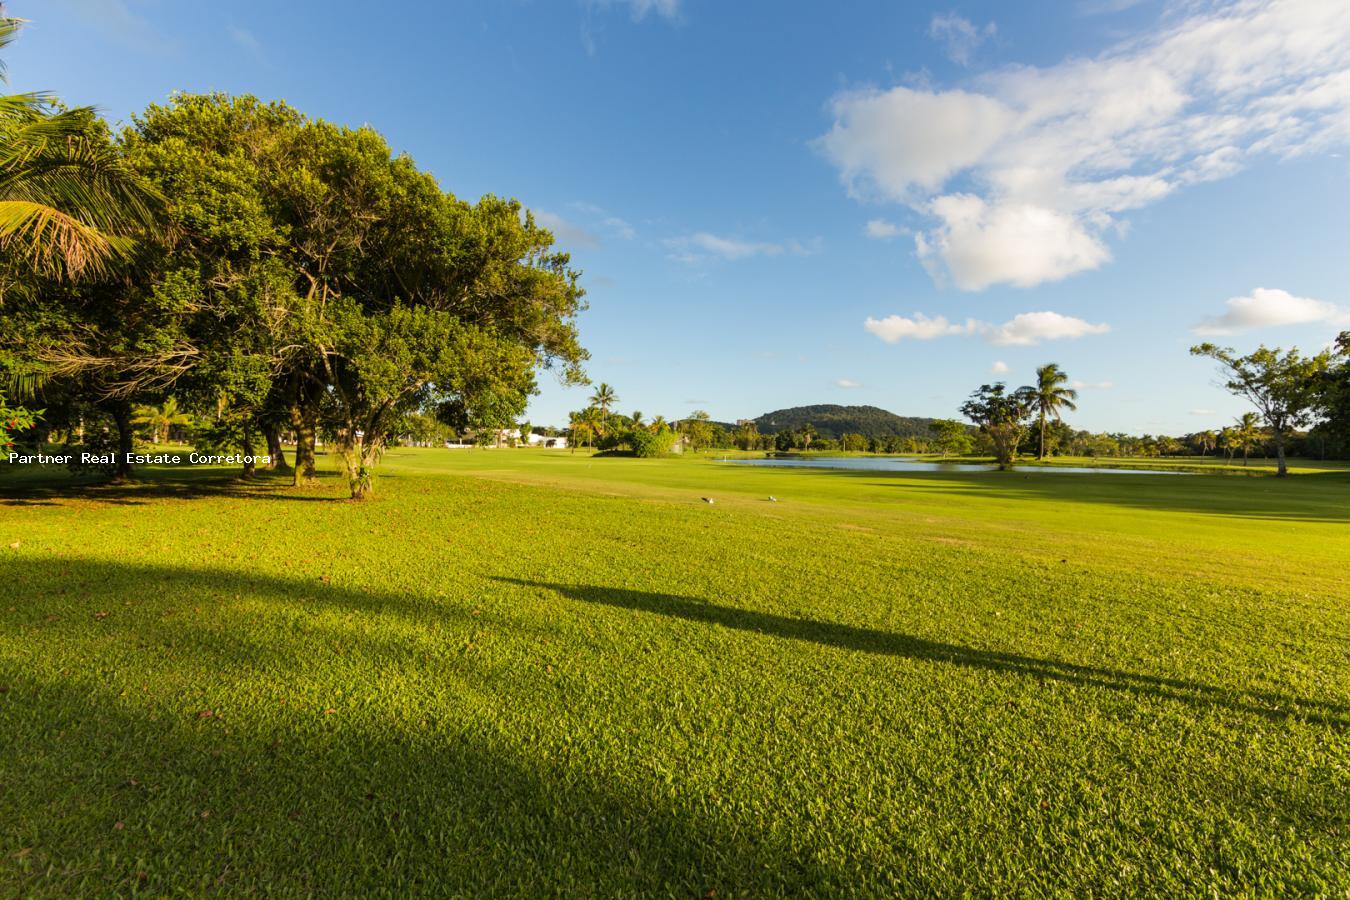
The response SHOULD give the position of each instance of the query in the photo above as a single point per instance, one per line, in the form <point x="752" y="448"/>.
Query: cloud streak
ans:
<point x="1022" y="330"/>
<point x="959" y="36"/>
<point x="703" y="246"/>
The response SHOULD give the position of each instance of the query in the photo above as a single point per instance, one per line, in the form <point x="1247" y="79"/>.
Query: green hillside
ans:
<point x="832" y="420"/>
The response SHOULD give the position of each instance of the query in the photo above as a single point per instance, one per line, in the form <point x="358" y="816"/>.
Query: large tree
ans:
<point x="1052" y="397"/>
<point x="953" y="437"/>
<point x="1282" y="385"/>
<point x="1333" y="397"/>
<point x="315" y="278"/>
<point x="1002" y="416"/>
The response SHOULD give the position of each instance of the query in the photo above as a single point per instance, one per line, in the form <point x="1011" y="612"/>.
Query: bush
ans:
<point x="647" y="444"/>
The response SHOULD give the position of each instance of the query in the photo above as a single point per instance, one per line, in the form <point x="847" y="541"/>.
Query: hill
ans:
<point x="832" y="420"/>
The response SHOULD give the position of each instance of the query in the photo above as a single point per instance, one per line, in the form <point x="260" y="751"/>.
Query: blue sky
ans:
<point x="865" y="203"/>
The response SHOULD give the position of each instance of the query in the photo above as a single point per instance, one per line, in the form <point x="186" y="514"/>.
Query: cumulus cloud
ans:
<point x="999" y="368"/>
<point x="1092" y="385"/>
<point x="1022" y="244"/>
<point x="846" y="383"/>
<point x="1026" y="329"/>
<point x="1066" y="150"/>
<point x="1023" y="329"/>
<point x="920" y="328"/>
<point x="700" y="247"/>
<point x="1270" y="307"/>
<point x="959" y="36"/>
<point x="881" y="230"/>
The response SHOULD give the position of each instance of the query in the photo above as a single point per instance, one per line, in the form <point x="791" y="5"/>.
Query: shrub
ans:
<point x="647" y="444"/>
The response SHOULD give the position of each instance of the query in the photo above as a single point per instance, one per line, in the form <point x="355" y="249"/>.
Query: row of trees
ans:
<point x="1289" y="390"/>
<point x="273" y="272"/>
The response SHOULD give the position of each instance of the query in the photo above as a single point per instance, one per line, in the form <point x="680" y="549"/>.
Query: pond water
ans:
<point x="909" y="464"/>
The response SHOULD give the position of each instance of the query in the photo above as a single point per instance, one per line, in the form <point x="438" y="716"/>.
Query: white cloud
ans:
<point x="846" y="383"/>
<point x="881" y="230"/>
<point x="1023" y="329"/>
<point x="1202" y="412"/>
<point x="1026" y="329"/>
<point x="1021" y="244"/>
<point x="567" y="233"/>
<point x="999" y="368"/>
<point x="1270" y="307"/>
<point x="919" y="328"/>
<point x="959" y="36"/>
<point x="1092" y="385"/>
<point x="1065" y="150"/>
<point x="699" y="247"/>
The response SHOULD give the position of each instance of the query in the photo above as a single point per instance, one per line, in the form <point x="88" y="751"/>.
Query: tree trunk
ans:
<point x="121" y="413"/>
<point x="1281" y="469"/>
<point x="276" y="457"/>
<point x="1041" y="455"/>
<point x="304" y="448"/>
<point x="358" y="464"/>
<point x="246" y="444"/>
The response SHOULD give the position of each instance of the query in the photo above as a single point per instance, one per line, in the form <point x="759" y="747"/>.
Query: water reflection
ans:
<point x="909" y="464"/>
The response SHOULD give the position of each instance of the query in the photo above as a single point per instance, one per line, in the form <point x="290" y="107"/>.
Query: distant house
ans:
<point x="510" y="437"/>
<point x="543" y="440"/>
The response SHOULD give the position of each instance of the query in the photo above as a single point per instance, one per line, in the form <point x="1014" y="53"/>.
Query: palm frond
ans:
<point x="51" y="239"/>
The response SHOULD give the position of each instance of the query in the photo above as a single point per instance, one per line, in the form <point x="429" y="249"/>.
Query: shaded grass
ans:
<point x="550" y="674"/>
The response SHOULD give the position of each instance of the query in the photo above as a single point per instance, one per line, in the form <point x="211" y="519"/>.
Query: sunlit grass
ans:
<point x="534" y="672"/>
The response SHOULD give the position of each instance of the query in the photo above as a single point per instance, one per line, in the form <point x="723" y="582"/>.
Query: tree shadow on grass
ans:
<point x="1277" y="707"/>
<point x="107" y="787"/>
<point x="103" y="796"/>
<point x="158" y="483"/>
<point x="1299" y="498"/>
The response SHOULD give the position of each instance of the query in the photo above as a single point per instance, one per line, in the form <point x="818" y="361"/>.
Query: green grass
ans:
<point x="520" y="672"/>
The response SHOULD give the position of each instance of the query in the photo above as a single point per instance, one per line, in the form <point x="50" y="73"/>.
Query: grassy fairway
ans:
<point x="531" y="673"/>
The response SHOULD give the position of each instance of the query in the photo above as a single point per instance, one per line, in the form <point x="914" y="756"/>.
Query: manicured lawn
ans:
<point x="533" y="672"/>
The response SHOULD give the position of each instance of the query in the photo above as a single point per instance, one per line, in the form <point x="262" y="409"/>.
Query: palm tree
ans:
<point x="1226" y="441"/>
<point x="1051" y="397"/>
<point x="1247" y="433"/>
<point x="579" y="427"/>
<point x="68" y="201"/>
<point x="1207" y="440"/>
<point x="808" y="434"/>
<point x="658" y="425"/>
<point x="636" y="420"/>
<point x="161" y="418"/>
<point x="594" y="420"/>
<point x="604" y="397"/>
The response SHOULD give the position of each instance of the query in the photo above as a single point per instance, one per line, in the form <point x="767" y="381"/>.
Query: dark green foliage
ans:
<point x="651" y="443"/>
<point x="1002" y="416"/>
<point x="832" y="421"/>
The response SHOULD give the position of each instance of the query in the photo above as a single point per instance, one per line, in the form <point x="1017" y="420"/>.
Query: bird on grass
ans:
<point x="708" y="500"/>
<point x="773" y="499"/>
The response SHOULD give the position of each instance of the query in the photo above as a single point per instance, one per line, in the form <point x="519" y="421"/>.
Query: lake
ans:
<point x="909" y="464"/>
